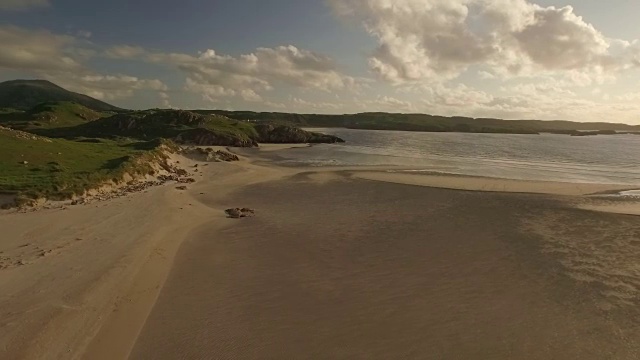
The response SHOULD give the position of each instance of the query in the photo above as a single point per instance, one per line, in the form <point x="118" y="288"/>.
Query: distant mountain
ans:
<point x="25" y="94"/>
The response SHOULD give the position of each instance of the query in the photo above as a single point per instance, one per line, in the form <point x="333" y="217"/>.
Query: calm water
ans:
<point x="592" y="159"/>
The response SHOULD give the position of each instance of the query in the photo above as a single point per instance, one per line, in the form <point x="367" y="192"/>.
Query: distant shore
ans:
<point x="337" y="262"/>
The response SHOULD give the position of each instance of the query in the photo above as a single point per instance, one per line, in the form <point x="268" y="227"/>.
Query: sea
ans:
<point x="603" y="159"/>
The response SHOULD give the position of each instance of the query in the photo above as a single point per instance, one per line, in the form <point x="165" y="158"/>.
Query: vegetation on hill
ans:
<point x="56" y="144"/>
<point x="187" y="127"/>
<point x="32" y="166"/>
<point x="49" y="115"/>
<point x="25" y="94"/>
<point x="423" y="122"/>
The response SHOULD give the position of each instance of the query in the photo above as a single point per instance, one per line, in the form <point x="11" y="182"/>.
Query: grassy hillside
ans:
<point x="186" y="127"/>
<point x="423" y="122"/>
<point x="168" y="124"/>
<point x="25" y="94"/>
<point x="50" y="115"/>
<point x="34" y="166"/>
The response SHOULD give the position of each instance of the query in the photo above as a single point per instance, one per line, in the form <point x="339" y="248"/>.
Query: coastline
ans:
<point x="95" y="295"/>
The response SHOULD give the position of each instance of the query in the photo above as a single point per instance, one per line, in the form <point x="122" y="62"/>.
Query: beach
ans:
<point x="336" y="263"/>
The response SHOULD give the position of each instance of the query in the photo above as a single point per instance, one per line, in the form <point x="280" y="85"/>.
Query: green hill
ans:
<point x="25" y="94"/>
<point x="50" y="115"/>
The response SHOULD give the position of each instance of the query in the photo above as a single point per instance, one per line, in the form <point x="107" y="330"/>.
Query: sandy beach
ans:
<point x="337" y="263"/>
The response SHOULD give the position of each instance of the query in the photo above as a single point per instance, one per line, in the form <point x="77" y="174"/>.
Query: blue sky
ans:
<point x="544" y="59"/>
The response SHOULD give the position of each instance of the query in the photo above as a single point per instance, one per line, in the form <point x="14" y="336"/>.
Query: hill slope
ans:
<point x="50" y="115"/>
<point x="25" y="94"/>
<point x="190" y="128"/>
<point x="422" y="122"/>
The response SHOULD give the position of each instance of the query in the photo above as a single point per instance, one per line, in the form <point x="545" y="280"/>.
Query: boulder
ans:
<point x="237" y="213"/>
<point x="226" y="156"/>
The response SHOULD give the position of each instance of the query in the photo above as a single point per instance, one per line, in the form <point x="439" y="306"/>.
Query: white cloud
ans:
<point x="485" y="75"/>
<point x="218" y="76"/>
<point x="107" y="87"/>
<point x="386" y="103"/>
<point x="124" y="52"/>
<point x="437" y="40"/>
<point x="630" y="97"/>
<point x="62" y="59"/>
<point x="19" y="5"/>
<point x="165" y="100"/>
<point x="36" y="50"/>
<point x="298" y="103"/>
<point x="84" y="34"/>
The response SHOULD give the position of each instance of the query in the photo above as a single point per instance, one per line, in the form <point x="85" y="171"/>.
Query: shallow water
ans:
<point x="592" y="159"/>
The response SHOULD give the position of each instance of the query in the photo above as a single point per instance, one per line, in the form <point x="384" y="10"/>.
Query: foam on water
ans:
<point x="630" y="193"/>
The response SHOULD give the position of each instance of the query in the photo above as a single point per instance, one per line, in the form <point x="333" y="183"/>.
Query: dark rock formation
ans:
<point x="226" y="156"/>
<point x="211" y="155"/>
<point x="238" y="213"/>
<point x="282" y="134"/>
<point x="205" y="137"/>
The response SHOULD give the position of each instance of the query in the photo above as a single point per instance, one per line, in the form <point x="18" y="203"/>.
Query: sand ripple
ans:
<point x="595" y="253"/>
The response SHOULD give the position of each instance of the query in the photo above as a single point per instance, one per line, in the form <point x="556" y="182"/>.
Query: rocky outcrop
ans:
<point x="284" y="134"/>
<point x="206" y="137"/>
<point x="221" y="155"/>
<point x="238" y="213"/>
<point x="187" y="127"/>
<point x="210" y="155"/>
<point x="167" y="117"/>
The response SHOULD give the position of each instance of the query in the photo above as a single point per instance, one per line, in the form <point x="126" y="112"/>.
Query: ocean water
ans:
<point x="591" y="159"/>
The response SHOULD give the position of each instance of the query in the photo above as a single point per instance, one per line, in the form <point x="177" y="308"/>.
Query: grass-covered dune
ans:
<point x="32" y="166"/>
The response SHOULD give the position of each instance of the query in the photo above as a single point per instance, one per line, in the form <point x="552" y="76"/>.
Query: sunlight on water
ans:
<point x="595" y="159"/>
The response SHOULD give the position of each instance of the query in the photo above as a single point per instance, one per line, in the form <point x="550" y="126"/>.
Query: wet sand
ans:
<point x="338" y="267"/>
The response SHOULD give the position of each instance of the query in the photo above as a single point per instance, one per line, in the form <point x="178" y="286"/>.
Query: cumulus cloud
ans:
<point x="298" y="103"/>
<point x="62" y="59"/>
<point x="385" y="103"/>
<point x="19" y="5"/>
<point x="107" y="87"/>
<point x="84" y="34"/>
<point x="219" y="76"/>
<point x="36" y="50"/>
<point x="437" y="40"/>
<point x="124" y="52"/>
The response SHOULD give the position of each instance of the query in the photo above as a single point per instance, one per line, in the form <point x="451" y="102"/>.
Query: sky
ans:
<point x="514" y="59"/>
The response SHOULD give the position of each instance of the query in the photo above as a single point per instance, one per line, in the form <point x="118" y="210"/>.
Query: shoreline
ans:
<point x="103" y="313"/>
